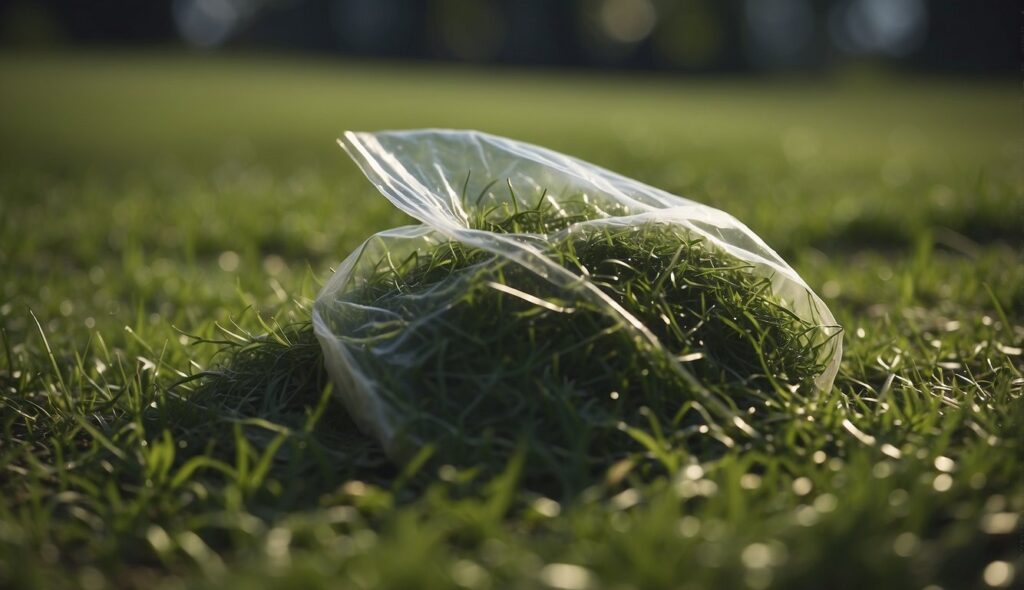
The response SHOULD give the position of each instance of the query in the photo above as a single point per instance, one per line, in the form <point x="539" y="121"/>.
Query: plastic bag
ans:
<point x="418" y="312"/>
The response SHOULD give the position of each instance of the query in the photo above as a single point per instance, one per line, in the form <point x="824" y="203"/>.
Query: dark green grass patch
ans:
<point x="482" y="357"/>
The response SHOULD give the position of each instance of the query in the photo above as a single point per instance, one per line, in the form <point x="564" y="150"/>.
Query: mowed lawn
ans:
<point x="160" y="212"/>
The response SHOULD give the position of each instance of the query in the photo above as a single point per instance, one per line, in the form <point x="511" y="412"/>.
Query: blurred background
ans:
<point x="694" y="36"/>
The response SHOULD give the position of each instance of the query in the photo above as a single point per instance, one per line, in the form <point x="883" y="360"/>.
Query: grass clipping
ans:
<point x="567" y="329"/>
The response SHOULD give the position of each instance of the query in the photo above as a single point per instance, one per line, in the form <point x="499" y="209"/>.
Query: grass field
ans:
<point x="159" y="212"/>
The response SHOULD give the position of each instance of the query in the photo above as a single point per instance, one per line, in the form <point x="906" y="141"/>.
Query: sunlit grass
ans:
<point x="147" y="441"/>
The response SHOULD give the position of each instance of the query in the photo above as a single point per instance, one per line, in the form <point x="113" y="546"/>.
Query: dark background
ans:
<point x="694" y="36"/>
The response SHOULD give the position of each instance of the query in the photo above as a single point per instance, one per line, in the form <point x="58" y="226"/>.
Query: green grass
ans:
<point x="160" y="213"/>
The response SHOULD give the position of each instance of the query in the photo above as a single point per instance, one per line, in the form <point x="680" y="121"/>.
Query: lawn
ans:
<point x="166" y="221"/>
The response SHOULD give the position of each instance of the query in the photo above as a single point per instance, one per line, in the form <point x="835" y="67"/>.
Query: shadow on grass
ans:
<point x="271" y="399"/>
<point x="275" y="388"/>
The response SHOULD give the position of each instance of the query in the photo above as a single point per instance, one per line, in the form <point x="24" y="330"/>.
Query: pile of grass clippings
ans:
<point x="484" y="357"/>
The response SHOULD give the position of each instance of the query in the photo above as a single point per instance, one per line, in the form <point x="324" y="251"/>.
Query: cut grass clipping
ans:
<point x="476" y="357"/>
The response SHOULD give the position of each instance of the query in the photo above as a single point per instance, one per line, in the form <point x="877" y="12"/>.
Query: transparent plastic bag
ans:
<point x="389" y="346"/>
